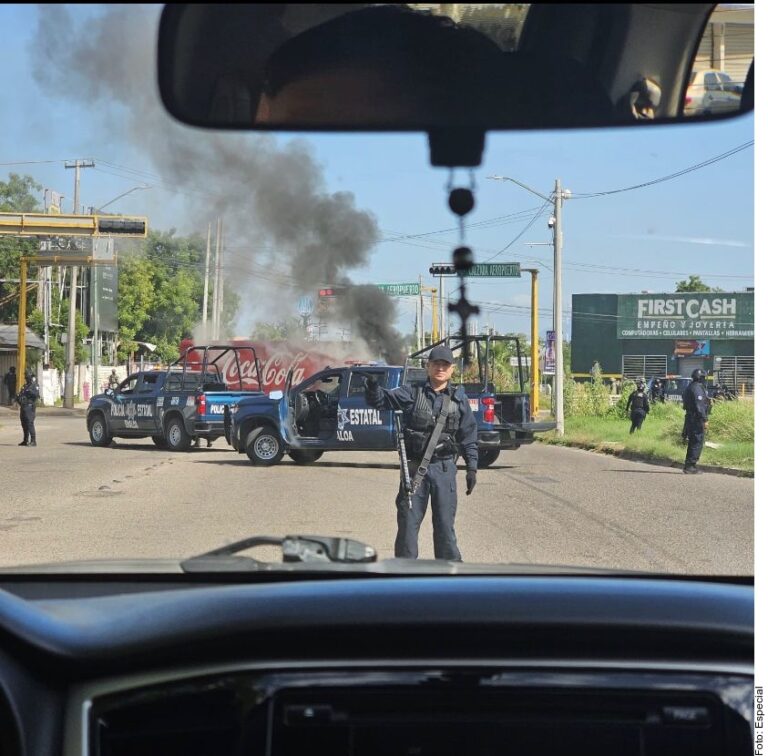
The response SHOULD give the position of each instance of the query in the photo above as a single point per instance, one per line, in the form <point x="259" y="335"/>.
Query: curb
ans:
<point x="50" y="412"/>
<point x="636" y="457"/>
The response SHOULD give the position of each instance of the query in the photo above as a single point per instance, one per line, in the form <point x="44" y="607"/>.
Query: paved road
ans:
<point x="68" y="500"/>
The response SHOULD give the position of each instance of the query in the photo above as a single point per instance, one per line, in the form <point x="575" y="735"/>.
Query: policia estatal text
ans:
<point x="424" y="410"/>
<point x="27" y="400"/>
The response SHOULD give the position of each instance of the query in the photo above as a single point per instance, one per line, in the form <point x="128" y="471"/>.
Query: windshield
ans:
<point x="610" y="256"/>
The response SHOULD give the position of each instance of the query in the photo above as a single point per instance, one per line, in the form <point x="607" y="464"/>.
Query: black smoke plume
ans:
<point x="277" y="212"/>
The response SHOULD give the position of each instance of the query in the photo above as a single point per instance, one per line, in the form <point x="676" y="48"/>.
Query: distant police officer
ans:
<point x="424" y="409"/>
<point x="9" y="379"/>
<point x="696" y="406"/>
<point x="114" y="380"/>
<point x="27" y="400"/>
<point x="657" y="391"/>
<point x="637" y="406"/>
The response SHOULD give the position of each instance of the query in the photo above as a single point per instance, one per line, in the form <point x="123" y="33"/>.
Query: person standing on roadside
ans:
<point x="439" y="425"/>
<point x="27" y="400"/>
<point x="696" y="405"/>
<point x="9" y="379"/>
<point x="637" y="406"/>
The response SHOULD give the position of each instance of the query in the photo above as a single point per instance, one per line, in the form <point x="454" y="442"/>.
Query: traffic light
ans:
<point x="332" y="291"/>
<point x="442" y="269"/>
<point x="117" y="226"/>
<point x="44" y="224"/>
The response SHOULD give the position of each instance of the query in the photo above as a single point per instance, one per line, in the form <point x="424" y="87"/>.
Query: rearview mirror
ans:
<point x="453" y="66"/>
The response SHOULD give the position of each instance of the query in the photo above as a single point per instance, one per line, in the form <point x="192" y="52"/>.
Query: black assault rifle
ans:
<point x="405" y="474"/>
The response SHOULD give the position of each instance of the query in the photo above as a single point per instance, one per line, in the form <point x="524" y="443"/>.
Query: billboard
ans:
<point x="687" y="316"/>
<point x="549" y="354"/>
<point x="691" y="348"/>
<point x="105" y="296"/>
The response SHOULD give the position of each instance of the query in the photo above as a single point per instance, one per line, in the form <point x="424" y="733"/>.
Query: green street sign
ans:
<point x="400" y="289"/>
<point x="479" y="270"/>
<point x="495" y="270"/>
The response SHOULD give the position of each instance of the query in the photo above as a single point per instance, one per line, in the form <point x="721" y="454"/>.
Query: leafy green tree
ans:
<point x="16" y="196"/>
<point x="694" y="284"/>
<point x="58" y="350"/>
<point x="160" y="294"/>
<point x="135" y="300"/>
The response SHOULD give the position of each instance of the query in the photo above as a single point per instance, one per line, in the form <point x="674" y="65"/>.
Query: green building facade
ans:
<point x="646" y="335"/>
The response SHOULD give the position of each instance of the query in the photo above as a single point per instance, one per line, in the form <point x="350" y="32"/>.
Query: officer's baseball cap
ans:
<point x="441" y="353"/>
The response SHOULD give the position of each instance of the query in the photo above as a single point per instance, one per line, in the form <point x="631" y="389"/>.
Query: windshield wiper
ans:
<point x="296" y="548"/>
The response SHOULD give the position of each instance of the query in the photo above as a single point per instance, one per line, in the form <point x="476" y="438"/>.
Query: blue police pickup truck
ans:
<point x="176" y="406"/>
<point x="328" y="412"/>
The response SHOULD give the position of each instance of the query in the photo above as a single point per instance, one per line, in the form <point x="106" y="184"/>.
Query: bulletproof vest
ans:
<point x="424" y="418"/>
<point x="638" y="401"/>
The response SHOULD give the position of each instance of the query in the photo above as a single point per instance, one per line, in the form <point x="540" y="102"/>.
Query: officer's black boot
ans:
<point x="32" y="442"/>
<point x="24" y="443"/>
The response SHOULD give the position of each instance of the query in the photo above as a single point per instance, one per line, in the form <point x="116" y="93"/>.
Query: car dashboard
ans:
<point x="533" y="664"/>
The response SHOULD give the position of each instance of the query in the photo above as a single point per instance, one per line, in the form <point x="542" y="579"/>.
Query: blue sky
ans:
<point x="645" y="239"/>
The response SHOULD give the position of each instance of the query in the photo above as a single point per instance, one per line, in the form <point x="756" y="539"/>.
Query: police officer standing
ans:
<point x="27" y="400"/>
<point x="696" y="405"/>
<point x="424" y="409"/>
<point x="637" y="406"/>
<point x="113" y="381"/>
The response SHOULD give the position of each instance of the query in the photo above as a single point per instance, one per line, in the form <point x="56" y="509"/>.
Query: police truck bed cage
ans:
<point x="504" y="417"/>
<point x="207" y="361"/>
<point x="480" y="346"/>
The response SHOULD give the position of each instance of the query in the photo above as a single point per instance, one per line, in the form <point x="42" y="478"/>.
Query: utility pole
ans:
<point x="556" y="225"/>
<point x="419" y="320"/>
<point x="221" y="281"/>
<point x="534" y="372"/>
<point x="69" y="378"/>
<point x="216" y="273"/>
<point x="441" y="323"/>
<point x="205" y="285"/>
<point x="559" y="371"/>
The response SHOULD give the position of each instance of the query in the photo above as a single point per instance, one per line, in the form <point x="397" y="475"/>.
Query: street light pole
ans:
<point x="558" y="307"/>
<point x="557" y="202"/>
<point x="534" y="371"/>
<point x="120" y="196"/>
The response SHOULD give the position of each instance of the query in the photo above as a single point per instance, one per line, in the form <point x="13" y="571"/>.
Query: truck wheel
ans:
<point x="264" y="447"/>
<point x="97" y="429"/>
<point x="305" y="456"/>
<point x="176" y="435"/>
<point x="160" y="442"/>
<point x="487" y="457"/>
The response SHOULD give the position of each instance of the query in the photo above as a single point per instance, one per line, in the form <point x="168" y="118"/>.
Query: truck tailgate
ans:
<point x="215" y="401"/>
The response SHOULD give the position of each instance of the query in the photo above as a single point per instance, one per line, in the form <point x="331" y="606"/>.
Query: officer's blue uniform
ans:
<point x="421" y="407"/>
<point x="27" y="400"/>
<point x="638" y="403"/>
<point x="696" y="406"/>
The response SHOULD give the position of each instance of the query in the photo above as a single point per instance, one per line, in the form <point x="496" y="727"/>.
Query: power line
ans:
<point x="532" y="221"/>
<point x="677" y="174"/>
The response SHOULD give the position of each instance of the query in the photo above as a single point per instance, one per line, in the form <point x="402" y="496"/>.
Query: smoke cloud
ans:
<point x="285" y="233"/>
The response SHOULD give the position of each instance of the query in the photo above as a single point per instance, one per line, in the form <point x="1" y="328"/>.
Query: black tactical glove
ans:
<point x="471" y="481"/>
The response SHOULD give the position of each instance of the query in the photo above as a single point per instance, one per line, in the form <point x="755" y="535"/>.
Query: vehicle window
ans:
<point x="148" y="383"/>
<point x="357" y="382"/>
<point x="128" y="386"/>
<point x="326" y="255"/>
<point x="328" y="384"/>
<point x="711" y="82"/>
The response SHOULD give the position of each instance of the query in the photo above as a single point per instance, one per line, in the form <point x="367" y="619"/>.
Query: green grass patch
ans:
<point x="731" y="427"/>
